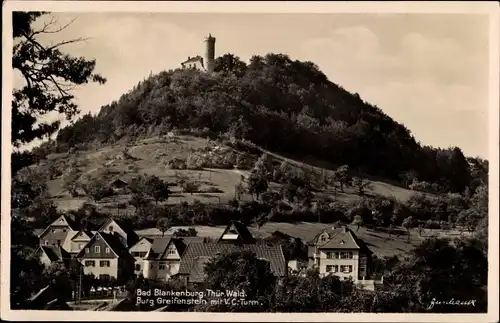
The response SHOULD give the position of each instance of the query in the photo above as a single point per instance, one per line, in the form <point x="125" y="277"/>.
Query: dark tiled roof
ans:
<point x="118" y="183"/>
<point x="242" y="231"/>
<point x="87" y="232"/>
<point x="272" y="253"/>
<point x="160" y="245"/>
<point x="193" y="59"/>
<point x="115" y="244"/>
<point x="330" y="231"/>
<point x="55" y="253"/>
<point x="344" y="239"/>
<point x="60" y="235"/>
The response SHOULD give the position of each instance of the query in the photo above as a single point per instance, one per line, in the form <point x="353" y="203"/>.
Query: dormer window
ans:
<point x="110" y="228"/>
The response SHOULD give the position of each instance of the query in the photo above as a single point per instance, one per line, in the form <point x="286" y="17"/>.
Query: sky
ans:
<point x="427" y="71"/>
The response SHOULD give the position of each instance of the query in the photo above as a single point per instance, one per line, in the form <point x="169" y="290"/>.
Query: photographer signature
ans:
<point x="452" y="302"/>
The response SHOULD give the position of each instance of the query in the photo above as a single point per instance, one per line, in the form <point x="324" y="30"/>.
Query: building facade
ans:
<point x="338" y="251"/>
<point x="205" y="63"/>
<point x="139" y="252"/>
<point x="105" y="257"/>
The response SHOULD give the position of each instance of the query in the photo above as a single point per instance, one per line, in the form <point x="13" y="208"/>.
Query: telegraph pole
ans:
<point x="80" y="286"/>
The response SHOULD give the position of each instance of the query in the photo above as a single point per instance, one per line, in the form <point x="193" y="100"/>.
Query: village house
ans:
<point x="196" y="256"/>
<point x="339" y="252"/>
<point x="236" y="237"/>
<point x="57" y="232"/>
<point x="105" y="257"/>
<point x="125" y="233"/>
<point x="119" y="186"/>
<point x="163" y="258"/>
<point x="78" y="240"/>
<point x="139" y="252"/>
<point x="49" y="255"/>
<point x="236" y="232"/>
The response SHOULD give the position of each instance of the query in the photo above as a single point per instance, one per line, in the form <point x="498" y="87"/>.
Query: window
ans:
<point x="89" y="263"/>
<point x="104" y="277"/>
<point x="346" y="269"/>
<point x="58" y="242"/>
<point x="87" y="250"/>
<point x="137" y="267"/>
<point x="98" y="237"/>
<point x="346" y="255"/>
<point x="337" y="255"/>
<point x="104" y="263"/>
<point x="64" y="230"/>
<point x="171" y="252"/>
<point x="97" y="249"/>
<point x="110" y="228"/>
<point x="162" y="266"/>
<point x="139" y="254"/>
<point x="53" y="230"/>
<point x="323" y="238"/>
<point x="46" y="242"/>
<point x="329" y="255"/>
<point x="108" y="250"/>
<point x="80" y="246"/>
<point x="332" y="268"/>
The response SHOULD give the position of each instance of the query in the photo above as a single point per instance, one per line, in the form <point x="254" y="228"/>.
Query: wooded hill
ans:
<point x="284" y="105"/>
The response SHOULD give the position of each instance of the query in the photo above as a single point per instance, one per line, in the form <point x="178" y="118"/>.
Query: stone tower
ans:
<point x="209" y="58"/>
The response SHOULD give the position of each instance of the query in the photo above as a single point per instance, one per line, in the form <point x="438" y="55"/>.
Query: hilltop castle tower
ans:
<point x="209" y="58"/>
<point x="206" y="63"/>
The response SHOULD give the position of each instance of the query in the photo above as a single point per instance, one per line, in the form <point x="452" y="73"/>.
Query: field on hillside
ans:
<point x="146" y="157"/>
<point x="381" y="243"/>
<point x="151" y="156"/>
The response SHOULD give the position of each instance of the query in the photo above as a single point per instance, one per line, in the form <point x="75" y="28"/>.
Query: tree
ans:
<point x="229" y="63"/>
<point x="408" y="177"/>
<point x="358" y="221"/>
<point x="360" y="184"/>
<point x="408" y="225"/>
<point x="241" y="271"/>
<point x="138" y="201"/>
<point x="26" y="186"/>
<point x="190" y="187"/>
<point x="49" y="77"/>
<point x="239" y="190"/>
<point x="264" y="167"/>
<point x="25" y="275"/>
<point x="157" y="189"/>
<point x="257" y="184"/>
<point x="70" y="182"/>
<point x="164" y="225"/>
<point x="261" y="219"/>
<point x="97" y="189"/>
<point x="191" y="232"/>
<point x="341" y="175"/>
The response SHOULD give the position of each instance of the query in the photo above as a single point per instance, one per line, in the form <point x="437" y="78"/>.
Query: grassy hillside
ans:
<point x="151" y="156"/>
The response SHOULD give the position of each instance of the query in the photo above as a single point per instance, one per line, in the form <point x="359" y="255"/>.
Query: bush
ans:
<point x="177" y="163"/>
<point x="431" y="224"/>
